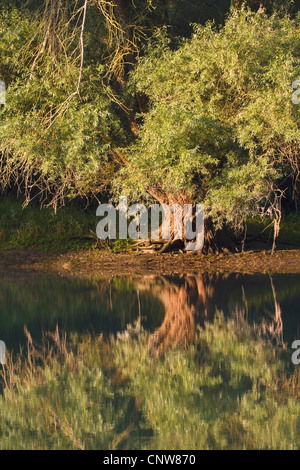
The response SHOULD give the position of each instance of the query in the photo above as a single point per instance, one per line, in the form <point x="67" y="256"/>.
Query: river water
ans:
<point x="213" y="391"/>
<point x="41" y="302"/>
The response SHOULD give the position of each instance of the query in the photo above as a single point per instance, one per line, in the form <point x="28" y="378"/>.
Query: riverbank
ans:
<point x="66" y="243"/>
<point x="103" y="263"/>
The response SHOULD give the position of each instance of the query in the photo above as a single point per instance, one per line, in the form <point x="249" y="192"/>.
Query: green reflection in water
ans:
<point x="229" y="389"/>
<point x="184" y="377"/>
<point x="40" y="302"/>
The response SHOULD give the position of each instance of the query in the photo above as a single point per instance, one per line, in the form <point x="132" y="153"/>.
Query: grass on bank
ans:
<point x="230" y="389"/>
<point x="43" y="229"/>
<point x="74" y="227"/>
<point x="71" y="228"/>
<point x="262" y="231"/>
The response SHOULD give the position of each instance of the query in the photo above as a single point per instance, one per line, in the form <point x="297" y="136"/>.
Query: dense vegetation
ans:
<point x="165" y="101"/>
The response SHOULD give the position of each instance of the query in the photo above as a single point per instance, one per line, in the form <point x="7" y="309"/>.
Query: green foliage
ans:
<point x="50" y="135"/>
<point x="68" y="229"/>
<point x="221" y="126"/>
<point x="289" y="235"/>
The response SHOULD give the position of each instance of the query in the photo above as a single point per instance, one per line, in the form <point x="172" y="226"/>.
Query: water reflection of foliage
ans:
<point x="228" y="389"/>
<point x="193" y="299"/>
<point x="41" y="302"/>
<point x="172" y="305"/>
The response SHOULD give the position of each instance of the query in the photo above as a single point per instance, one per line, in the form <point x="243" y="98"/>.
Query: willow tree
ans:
<point x="69" y="110"/>
<point x="57" y="105"/>
<point x="91" y="104"/>
<point x="221" y="127"/>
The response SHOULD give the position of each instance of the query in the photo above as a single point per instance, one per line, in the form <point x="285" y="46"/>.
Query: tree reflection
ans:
<point x="187" y="301"/>
<point x="190" y="300"/>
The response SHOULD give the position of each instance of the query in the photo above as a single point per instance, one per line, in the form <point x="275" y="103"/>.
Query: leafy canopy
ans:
<point x="222" y="128"/>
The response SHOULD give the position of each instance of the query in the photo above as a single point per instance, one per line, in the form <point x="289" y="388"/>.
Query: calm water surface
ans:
<point x="41" y="302"/>
<point x="155" y="410"/>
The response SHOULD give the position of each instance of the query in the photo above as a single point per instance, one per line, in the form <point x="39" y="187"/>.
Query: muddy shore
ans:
<point x="94" y="264"/>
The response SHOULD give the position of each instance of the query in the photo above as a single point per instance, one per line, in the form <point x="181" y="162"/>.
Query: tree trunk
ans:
<point x="214" y="241"/>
